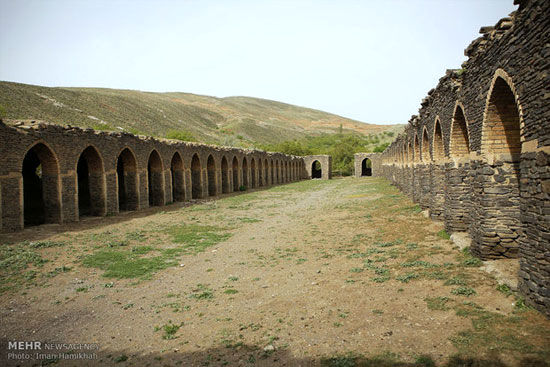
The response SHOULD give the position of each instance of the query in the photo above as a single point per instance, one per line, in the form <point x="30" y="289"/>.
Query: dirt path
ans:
<point x="311" y="273"/>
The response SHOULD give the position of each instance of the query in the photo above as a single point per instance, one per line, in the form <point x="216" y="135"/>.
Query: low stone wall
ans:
<point x="479" y="148"/>
<point x="55" y="174"/>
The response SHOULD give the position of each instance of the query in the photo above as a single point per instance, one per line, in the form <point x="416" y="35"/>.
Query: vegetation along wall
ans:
<point x="477" y="155"/>
<point x="56" y="174"/>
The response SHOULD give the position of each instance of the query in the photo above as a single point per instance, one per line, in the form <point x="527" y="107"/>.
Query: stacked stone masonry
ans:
<point x="57" y="174"/>
<point x="477" y="153"/>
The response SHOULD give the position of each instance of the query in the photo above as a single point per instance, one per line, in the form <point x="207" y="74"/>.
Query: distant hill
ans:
<point x="234" y="121"/>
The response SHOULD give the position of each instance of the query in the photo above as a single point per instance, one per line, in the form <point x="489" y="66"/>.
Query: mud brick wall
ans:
<point x="56" y="174"/>
<point x="479" y="147"/>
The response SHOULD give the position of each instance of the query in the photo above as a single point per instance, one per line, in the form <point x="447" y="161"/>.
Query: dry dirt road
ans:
<point x="333" y="273"/>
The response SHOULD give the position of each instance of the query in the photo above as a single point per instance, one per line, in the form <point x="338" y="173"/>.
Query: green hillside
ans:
<point x="234" y="121"/>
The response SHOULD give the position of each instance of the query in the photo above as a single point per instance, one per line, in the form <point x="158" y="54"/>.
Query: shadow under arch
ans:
<point x="127" y="179"/>
<point x="41" y="193"/>
<point x="91" y="183"/>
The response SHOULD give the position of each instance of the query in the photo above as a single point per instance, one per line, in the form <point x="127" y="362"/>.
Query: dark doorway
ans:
<point x="235" y="167"/>
<point x="225" y="176"/>
<point x="366" y="167"/>
<point x="245" y="173"/>
<point x="211" y="171"/>
<point x="155" y="181"/>
<point x="91" y="196"/>
<point x="40" y="187"/>
<point x="316" y="171"/>
<point x="176" y="170"/>
<point x="127" y="181"/>
<point x="196" y="183"/>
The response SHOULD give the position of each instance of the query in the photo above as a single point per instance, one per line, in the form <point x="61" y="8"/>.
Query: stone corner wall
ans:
<point x="358" y="164"/>
<point x="326" y="165"/>
<point x="477" y="153"/>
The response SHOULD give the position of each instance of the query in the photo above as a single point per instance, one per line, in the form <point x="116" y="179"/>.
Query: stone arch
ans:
<point x="409" y="153"/>
<point x="316" y="170"/>
<point x="41" y="193"/>
<point x="155" y="179"/>
<point x="90" y="179"/>
<point x="266" y="169"/>
<point x="425" y="155"/>
<point x="253" y="182"/>
<point x="416" y="152"/>
<point x="127" y="179"/>
<point x="502" y="122"/>
<point x="245" y="173"/>
<point x="277" y="172"/>
<point x="225" y="176"/>
<point x="196" y="179"/>
<point x="177" y="175"/>
<point x="260" y="172"/>
<point x="211" y="175"/>
<point x="459" y="144"/>
<point x="366" y="167"/>
<point x="235" y="169"/>
<point x="438" y="150"/>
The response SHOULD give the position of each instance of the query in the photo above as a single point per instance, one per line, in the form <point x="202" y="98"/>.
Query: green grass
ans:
<point x="119" y="262"/>
<point x="197" y="238"/>
<point x="437" y="303"/>
<point x="179" y="115"/>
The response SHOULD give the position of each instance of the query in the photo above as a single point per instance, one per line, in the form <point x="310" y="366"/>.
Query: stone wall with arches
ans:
<point x="318" y="166"/>
<point x="366" y="164"/>
<point x="477" y="155"/>
<point x="57" y="174"/>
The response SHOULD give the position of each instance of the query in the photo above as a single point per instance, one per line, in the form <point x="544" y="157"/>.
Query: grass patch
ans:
<point x="197" y="238"/>
<point x="437" y="303"/>
<point x="464" y="291"/>
<point x="443" y="234"/>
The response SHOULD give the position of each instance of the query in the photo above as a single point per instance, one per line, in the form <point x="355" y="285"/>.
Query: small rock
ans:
<point x="182" y="265"/>
<point x="269" y="348"/>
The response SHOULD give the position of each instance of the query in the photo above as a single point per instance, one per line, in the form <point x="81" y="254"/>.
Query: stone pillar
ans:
<point x="534" y="244"/>
<point x="437" y="205"/>
<point x="12" y="202"/>
<point x="457" y="196"/>
<point x="496" y="209"/>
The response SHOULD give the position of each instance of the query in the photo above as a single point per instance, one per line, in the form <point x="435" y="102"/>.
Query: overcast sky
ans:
<point x="368" y="60"/>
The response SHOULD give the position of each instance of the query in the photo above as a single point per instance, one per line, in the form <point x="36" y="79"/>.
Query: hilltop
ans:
<point x="235" y="121"/>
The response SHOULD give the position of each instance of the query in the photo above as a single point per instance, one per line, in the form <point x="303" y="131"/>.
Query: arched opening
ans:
<point x="211" y="172"/>
<point x="126" y="170"/>
<point x="225" y="175"/>
<point x="409" y="153"/>
<point x="425" y="157"/>
<point x="501" y="128"/>
<point x="176" y="170"/>
<point x="41" y="201"/>
<point x="235" y="174"/>
<point x="155" y="179"/>
<point x="366" y="167"/>
<point x="460" y="143"/>
<point x="438" y="150"/>
<point x="260" y="173"/>
<point x="245" y="173"/>
<point x="253" y="173"/>
<point x="277" y="172"/>
<point x="196" y="182"/>
<point x="316" y="171"/>
<point x="90" y="179"/>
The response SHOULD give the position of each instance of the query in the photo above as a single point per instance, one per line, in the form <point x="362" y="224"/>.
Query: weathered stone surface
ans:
<point x="493" y="118"/>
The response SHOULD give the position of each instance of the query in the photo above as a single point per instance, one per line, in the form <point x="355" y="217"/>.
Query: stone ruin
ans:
<point x="477" y="155"/>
